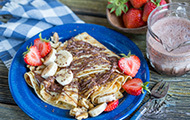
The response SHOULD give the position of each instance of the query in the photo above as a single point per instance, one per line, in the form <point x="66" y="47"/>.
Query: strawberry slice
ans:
<point x="135" y="86"/>
<point x="112" y="105"/>
<point x="32" y="56"/>
<point x="43" y="45"/>
<point x="129" y="64"/>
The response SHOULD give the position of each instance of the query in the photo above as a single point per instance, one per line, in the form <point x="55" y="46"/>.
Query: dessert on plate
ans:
<point x="80" y="74"/>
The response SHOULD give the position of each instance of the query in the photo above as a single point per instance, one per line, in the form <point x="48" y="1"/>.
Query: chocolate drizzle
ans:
<point x="91" y="56"/>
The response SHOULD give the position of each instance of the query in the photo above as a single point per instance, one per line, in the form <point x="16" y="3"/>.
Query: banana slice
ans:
<point x="97" y="110"/>
<point x="64" y="76"/>
<point x="106" y="98"/>
<point x="50" y="57"/>
<point x="64" y="58"/>
<point x="50" y="70"/>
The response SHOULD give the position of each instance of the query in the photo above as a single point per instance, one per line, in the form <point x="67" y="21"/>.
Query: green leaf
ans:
<point x="109" y="6"/>
<point x="153" y="2"/>
<point x="113" y="9"/>
<point x="146" y="83"/>
<point x="158" y="1"/>
<point x="44" y="40"/>
<point x="125" y="8"/>
<point x="118" y="11"/>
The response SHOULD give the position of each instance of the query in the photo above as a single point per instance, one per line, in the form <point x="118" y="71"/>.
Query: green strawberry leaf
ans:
<point x="109" y="6"/>
<point x="118" y="6"/>
<point x="113" y="9"/>
<point x="144" y="87"/>
<point x="44" y="40"/>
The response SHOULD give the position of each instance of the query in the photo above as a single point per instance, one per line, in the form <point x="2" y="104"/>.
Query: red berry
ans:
<point x="112" y="105"/>
<point x="149" y="7"/>
<point x="138" y="3"/>
<point x="135" y="86"/>
<point x="43" y="46"/>
<point x="133" y="18"/>
<point x="32" y="56"/>
<point x="129" y="65"/>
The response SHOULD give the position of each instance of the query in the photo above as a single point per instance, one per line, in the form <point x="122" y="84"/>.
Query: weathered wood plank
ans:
<point x="94" y="7"/>
<point x="12" y="112"/>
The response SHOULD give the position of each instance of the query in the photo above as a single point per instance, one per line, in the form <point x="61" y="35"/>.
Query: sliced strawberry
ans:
<point x="138" y="3"/>
<point x="135" y="86"/>
<point x="43" y="46"/>
<point x="133" y="18"/>
<point x="129" y="64"/>
<point x="32" y="56"/>
<point x="112" y="105"/>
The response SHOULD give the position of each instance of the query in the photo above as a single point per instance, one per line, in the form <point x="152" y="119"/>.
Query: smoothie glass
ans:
<point x="168" y="30"/>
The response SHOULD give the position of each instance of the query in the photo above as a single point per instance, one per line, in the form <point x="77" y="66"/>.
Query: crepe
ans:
<point x="96" y="76"/>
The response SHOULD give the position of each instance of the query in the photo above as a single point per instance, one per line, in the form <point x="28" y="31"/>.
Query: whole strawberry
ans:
<point x="138" y="3"/>
<point x="129" y="64"/>
<point x="135" y="86"/>
<point x="118" y="6"/>
<point x="150" y="6"/>
<point x="133" y="18"/>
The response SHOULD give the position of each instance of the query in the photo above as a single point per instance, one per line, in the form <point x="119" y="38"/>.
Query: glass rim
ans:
<point x="161" y="6"/>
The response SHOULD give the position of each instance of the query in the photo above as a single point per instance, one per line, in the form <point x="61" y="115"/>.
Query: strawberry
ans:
<point x="129" y="64"/>
<point x="138" y="3"/>
<point x="118" y="6"/>
<point x="32" y="56"/>
<point x="133" y="18"/>
<point x="43" y="45"/>
<point x="150" y="6"/>
<point x="112" y="105"/>
<point x="135" y="86"/>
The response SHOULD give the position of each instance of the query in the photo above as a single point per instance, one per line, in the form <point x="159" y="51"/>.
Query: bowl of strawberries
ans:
<point x="131" y="16"/>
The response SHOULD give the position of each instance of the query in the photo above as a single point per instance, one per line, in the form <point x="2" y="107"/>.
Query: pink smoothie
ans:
<point x="172" y="31"/>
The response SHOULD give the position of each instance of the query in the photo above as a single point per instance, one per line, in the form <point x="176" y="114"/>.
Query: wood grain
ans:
<point x="93" y="11"/>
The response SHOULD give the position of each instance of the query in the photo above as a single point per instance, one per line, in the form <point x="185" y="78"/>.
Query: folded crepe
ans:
<point x="96" y="76"/>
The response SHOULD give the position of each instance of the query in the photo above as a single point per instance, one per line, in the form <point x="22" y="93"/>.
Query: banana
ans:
<point x="50" y="57"/>
<point x="106" y="98"/>
<point x="98" y="109"/>
<point x="64" y="58"/>
<point x="50" y="70"/>
<point x="64" y="76"/>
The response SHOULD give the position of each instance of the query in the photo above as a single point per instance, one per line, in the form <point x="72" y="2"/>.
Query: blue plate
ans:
<point x="28" y="101"/>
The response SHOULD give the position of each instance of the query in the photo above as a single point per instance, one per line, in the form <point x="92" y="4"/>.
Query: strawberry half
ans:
<point x="138" y="3"/>
<point x="43" y="45"/>
<point x="135" y="86"/>
<point x="112" y="105"/>
<point x="129" y="64"/>
<point x="32" y="56"/>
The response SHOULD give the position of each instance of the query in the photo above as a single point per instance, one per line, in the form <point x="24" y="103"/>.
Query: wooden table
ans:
<point x="177" y="103"/>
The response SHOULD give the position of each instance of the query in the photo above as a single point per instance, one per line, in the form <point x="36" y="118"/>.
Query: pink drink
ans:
<point x="172" y="31"/>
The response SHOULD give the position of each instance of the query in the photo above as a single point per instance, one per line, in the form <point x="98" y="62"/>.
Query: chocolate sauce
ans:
<point x="97" y="57"/>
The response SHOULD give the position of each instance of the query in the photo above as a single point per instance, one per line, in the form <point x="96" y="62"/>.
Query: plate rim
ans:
<point x="94" y="25"/>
